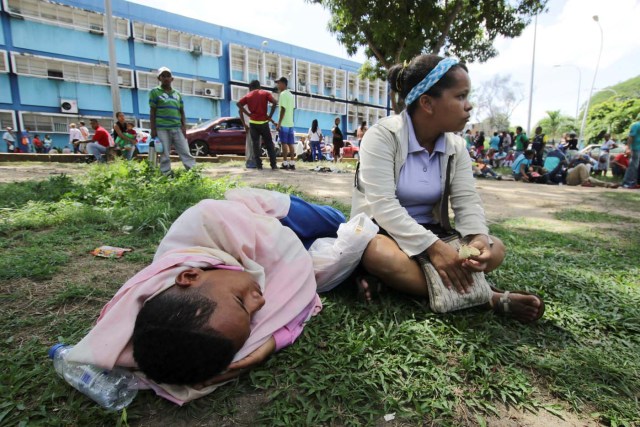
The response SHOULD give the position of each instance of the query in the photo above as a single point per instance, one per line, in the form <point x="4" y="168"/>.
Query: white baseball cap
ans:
<point x="162" y="70"/>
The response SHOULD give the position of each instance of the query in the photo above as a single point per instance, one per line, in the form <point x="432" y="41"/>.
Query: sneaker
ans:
<point x="283" y="166"/>
<point x="274" y="168"/>
<point x="292" y="167"/>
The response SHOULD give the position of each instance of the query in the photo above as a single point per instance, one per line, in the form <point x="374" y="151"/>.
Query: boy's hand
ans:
<point x="236" y="368"/>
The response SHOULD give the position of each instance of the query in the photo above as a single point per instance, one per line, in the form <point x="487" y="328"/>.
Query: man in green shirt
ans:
<point x="168" y="122"/>
<point x="521" y="141"/>
<point x="631" y="176"/>
<point x="285" y="124"/>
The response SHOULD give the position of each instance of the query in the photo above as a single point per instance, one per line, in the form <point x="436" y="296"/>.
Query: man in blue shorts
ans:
<point x="285" y="124"/>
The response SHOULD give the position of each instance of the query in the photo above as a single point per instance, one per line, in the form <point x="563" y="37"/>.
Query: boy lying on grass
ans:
<point x="230" y="283"/>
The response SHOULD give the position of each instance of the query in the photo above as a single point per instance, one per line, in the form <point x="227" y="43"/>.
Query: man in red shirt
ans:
<point x="620" y="163"/>
<point x="101" y="141"/>
<point x="256" y="100"/>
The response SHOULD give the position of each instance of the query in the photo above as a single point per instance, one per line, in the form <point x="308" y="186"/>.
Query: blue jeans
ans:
<point x="315" y="151"/>
<point x="175" y="137"/>
<point x="310" y="221"/>
<point x="631" y="176"/>
<point x="96" y="150"/>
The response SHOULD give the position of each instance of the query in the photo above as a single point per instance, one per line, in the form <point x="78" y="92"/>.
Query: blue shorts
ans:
<point x="286" y="135"/>
<point x="310" y="221"/>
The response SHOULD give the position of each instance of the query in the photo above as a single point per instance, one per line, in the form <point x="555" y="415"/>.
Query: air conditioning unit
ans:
<point x="328" y="85"/>
<point x="96" y="29"/>
<point x="302" y="88"/>
<point x="149" y="39"/>
<point x="69" y="106"/>
<point x="269" y="83"/>
<point x="272" y="75"/>
<point x="210" y="92"/>
<point x="196" y="50"/>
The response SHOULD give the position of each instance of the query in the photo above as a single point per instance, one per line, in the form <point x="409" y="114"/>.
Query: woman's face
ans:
<point x="452" y="110"/>
<point x="120" y="117"/>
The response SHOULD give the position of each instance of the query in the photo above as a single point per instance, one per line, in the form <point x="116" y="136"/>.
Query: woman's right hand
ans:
<point x="446" y="262"/>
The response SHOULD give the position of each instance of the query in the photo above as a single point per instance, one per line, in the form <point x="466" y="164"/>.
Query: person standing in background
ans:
<point x="338" y="140"/>
<point x="633" y="141"/>
<point x="521" y="141"/>
<point x="47" y="143"/>
<point x="257" y="100"/>
<point x="9" y="138"/>
<point x="285" y="124"/>
<point x="168" y="122"/>
<point x="361" y="131"/>
<point x="249" y="157"/>
<point x="75" y="137"/>
<point x="315" y="139"/>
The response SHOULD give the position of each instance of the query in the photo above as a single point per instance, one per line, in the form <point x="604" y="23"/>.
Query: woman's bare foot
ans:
<point x="522" y="306"/>
<point x="368" y="287"/>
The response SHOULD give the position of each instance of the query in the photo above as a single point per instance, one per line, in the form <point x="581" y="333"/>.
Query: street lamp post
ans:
<point x="579" y="84"/>
<point x="595" y="74"/>
<point x="533" y="66"/>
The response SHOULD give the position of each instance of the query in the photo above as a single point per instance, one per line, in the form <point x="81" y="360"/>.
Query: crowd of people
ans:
<point x="536" y="160"/>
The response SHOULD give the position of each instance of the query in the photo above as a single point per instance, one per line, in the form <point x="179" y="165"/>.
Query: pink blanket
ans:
<point x="241" y="232"/>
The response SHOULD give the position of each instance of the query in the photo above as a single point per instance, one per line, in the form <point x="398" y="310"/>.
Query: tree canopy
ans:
<point x="556" y="124"/>
<point x="615" y="117"/>
<point x="495" y="100"/>
<point x="397" y="30"/>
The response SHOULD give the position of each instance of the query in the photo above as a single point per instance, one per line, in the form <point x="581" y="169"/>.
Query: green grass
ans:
<point x="354" y="362"/>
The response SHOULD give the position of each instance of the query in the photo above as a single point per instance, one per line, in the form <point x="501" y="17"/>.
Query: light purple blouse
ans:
<point x="419" y="187"/>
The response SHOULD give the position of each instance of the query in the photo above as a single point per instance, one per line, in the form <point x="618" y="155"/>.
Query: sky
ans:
<point x="567" y="35"/>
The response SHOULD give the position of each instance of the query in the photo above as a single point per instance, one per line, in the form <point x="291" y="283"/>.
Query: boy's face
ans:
<point x="236" y="294"/>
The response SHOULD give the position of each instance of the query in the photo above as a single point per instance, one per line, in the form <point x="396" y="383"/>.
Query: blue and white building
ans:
<point x="54" y="69"/>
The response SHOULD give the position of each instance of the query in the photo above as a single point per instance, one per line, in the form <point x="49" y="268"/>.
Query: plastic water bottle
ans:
<point x="153" y="158"/>
<point x="113" y="390"/>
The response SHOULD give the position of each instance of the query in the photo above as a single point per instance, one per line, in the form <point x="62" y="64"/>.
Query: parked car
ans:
<point x="593" y="150"/>
<point x="225" y="135"/>
<point x="350" y="151"/>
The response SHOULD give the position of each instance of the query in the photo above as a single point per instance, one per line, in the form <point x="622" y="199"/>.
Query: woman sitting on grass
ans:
<point x="400" y="183"/>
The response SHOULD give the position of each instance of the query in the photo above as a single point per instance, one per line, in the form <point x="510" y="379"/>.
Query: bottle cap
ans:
<point x="54" y="349"/>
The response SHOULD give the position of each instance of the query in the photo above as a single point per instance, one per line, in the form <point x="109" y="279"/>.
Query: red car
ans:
<point x="350" y="151"/>
<point x="225" y="135"/>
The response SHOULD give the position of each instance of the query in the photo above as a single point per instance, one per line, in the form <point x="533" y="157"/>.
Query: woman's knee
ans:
<point x="383" y="256"/>
<point x="498" y="253"/>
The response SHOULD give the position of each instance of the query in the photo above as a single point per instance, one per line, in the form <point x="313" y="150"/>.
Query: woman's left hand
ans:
<point x="479" y="262"/>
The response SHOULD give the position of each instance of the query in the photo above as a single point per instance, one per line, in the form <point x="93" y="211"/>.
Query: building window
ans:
<point x="237" y="92"/>
<point x="58" y="123"/>
<point x="45" y="67"/>
<point x="188" y="87"/>
<point x="173" y="39"/>
<point x="7" y="118"/>
<point x="65" y="16"/>
<point x="4" y="62"/>
<point x="321" y="105"/>
<point x="247" y="64"/>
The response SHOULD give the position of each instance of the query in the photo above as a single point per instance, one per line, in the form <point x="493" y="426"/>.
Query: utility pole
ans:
<point x="113" y="62"/>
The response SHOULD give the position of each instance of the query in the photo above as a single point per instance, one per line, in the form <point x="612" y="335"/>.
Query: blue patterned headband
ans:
<point x="431" y="79"/>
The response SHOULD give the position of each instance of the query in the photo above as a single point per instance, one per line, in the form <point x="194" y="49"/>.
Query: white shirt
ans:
<point x="74" y="133"/>
<point x="84" y="132"/>
<point x="315" y="136"/>
<point x="8" y="137"/>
